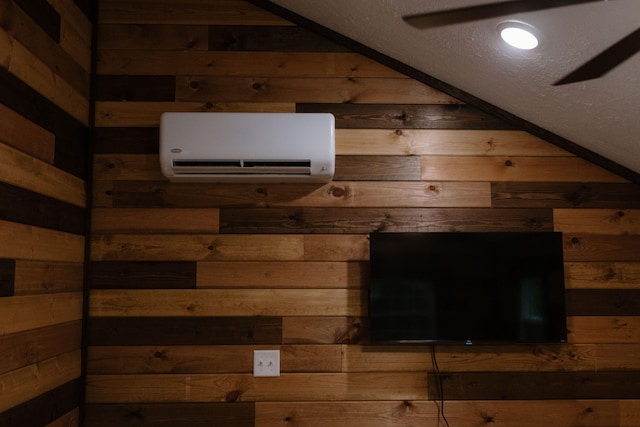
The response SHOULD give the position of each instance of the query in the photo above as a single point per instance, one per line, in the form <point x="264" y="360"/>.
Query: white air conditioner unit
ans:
<point x="247" y="147"/>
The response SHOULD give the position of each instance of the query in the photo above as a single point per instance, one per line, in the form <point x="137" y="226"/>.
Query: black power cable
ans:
<point x="440" y="386"/>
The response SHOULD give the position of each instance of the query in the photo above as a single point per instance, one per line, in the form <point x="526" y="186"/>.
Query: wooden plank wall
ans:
<point x="45" y="66"/>
<point x="189" y="279"/>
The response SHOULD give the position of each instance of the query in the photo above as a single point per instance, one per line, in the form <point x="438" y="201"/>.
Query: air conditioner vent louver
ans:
<point x="247" y="147"/>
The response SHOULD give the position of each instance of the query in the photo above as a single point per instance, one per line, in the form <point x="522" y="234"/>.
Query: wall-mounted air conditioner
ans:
<point x="247" y="147"/>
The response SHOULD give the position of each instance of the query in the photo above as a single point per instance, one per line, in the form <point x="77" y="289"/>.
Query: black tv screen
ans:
<point x="467" y="287"/>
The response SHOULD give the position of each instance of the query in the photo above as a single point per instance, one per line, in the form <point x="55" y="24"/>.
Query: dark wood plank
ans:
<point x="565" y="195"/>
<point x="381" y="116"/>
<point x="69" y="132"/>
<point x="44" y="14"/>
<point x="135" y="88"/>
<point x="218" y="414"/>
<point x="265" y="38"/>
<point x="126" y="140"/>
<point x="536" y="385"/>
<point x="367" y="220"/>
<point x="377" y="168"/>
<point x="87" y="7"/>
<point x="184" y="331"/>
<point x="142" y="275"/>
<point x="601" y="247"/>
<point x="26" y="207"/>
<point x="45" y="408"/>
<point x="603" y="302"/>
<point x="7" y="277"/>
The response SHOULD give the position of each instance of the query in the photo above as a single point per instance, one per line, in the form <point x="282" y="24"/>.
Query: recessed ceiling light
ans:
<point x="518" y="34"/>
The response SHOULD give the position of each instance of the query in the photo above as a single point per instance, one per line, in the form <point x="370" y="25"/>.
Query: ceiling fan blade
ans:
<point x="605" y="61"/>
<point x="483" y="11"/>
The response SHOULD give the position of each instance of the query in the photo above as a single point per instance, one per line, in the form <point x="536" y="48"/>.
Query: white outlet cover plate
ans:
<point x="266" y="363"/>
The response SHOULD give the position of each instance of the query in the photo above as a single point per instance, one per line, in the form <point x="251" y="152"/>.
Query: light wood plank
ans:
<point x="27" y="172"/>
<point x="147" y="114"/>
<point x="390" y="194"/>
<point x="149" y="220"/>
<point x="26" y="383"/>
<point x="361" y="90"/>
<point x="197" y="247"/>
<point x="20" y="62"/>
<point x="528" y="169"/>
<point x="341" y="247"/>
<point x="521" y="413"/>
<point x="615" y="357"/>
<point x="220" y="12"/>
<point x="227" y="302"/>
<point x="35" y="243"/>
<point x="508" y="358"/>
<point x="629" y="413"/>
<point x="22" y="313"/>
<point x="127" y="167"/>
<point x="442" y="142"/>
<point x="70" y="419"/>
<point x="244" y="387"/>
<point x="597" y="221"/>
<point x="323" y="330"/>
<point x="208" y="359"/>
<point x="602" y="275"/>
<point x="36" y="277"/>
<point x="284" y="274"/>
<point x="21" y="133"/>
<point x="604" y="329"/>
<point x="254" y="64"/>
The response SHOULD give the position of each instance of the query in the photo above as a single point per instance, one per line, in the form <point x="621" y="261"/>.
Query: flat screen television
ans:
<point x="467" y="287"/>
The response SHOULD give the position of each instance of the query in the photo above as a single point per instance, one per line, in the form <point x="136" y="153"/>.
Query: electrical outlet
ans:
<point x="266" y="363"/>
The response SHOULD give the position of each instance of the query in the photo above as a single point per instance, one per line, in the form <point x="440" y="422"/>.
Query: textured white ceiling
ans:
<point x="602" y="115"/>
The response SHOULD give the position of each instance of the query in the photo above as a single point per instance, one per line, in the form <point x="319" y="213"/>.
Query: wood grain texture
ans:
<point x="478" y="358"/>
<point x="351" y="194"/>
<point x="261" y="38"/>
<point x="201" y="330"/>
<point x="188" y="279"/>
<point x="21" y="170"/>
<point x="368" y="220"/>
<point x="47" y="408"/>
<point x="26" y="136"/>
<point x="227" y="302"/>
<point x="226" y="12"/>
<point x="442" y="142"/>
<point x="195" y="247"/>
<point x="529" y="413"/>
<point x="27" y="383"/>
<point x="212" y="359"/>
<point x="285" y="274"/>
<point x="244" y="387"/>
<point x="565" y="195"/>
<point x="24" y="313"/>
<point x="22" y="349"/>
<point x="236" y="414"/>
<point x="602" y="275"/>
<point x="39" y="243"/>
<point x="39" y="277"/>
<point x="147" y="114"/>
<point x="240" y="64"/>
<point x="29" y="207"/>
<point x="405" y="116"/>
<point x="142" y="275"/>
<point x="597" y="221"/>
<point x="140" y="220"/>
<point x="514" y="169"/>
<point x="352" y="90"/>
